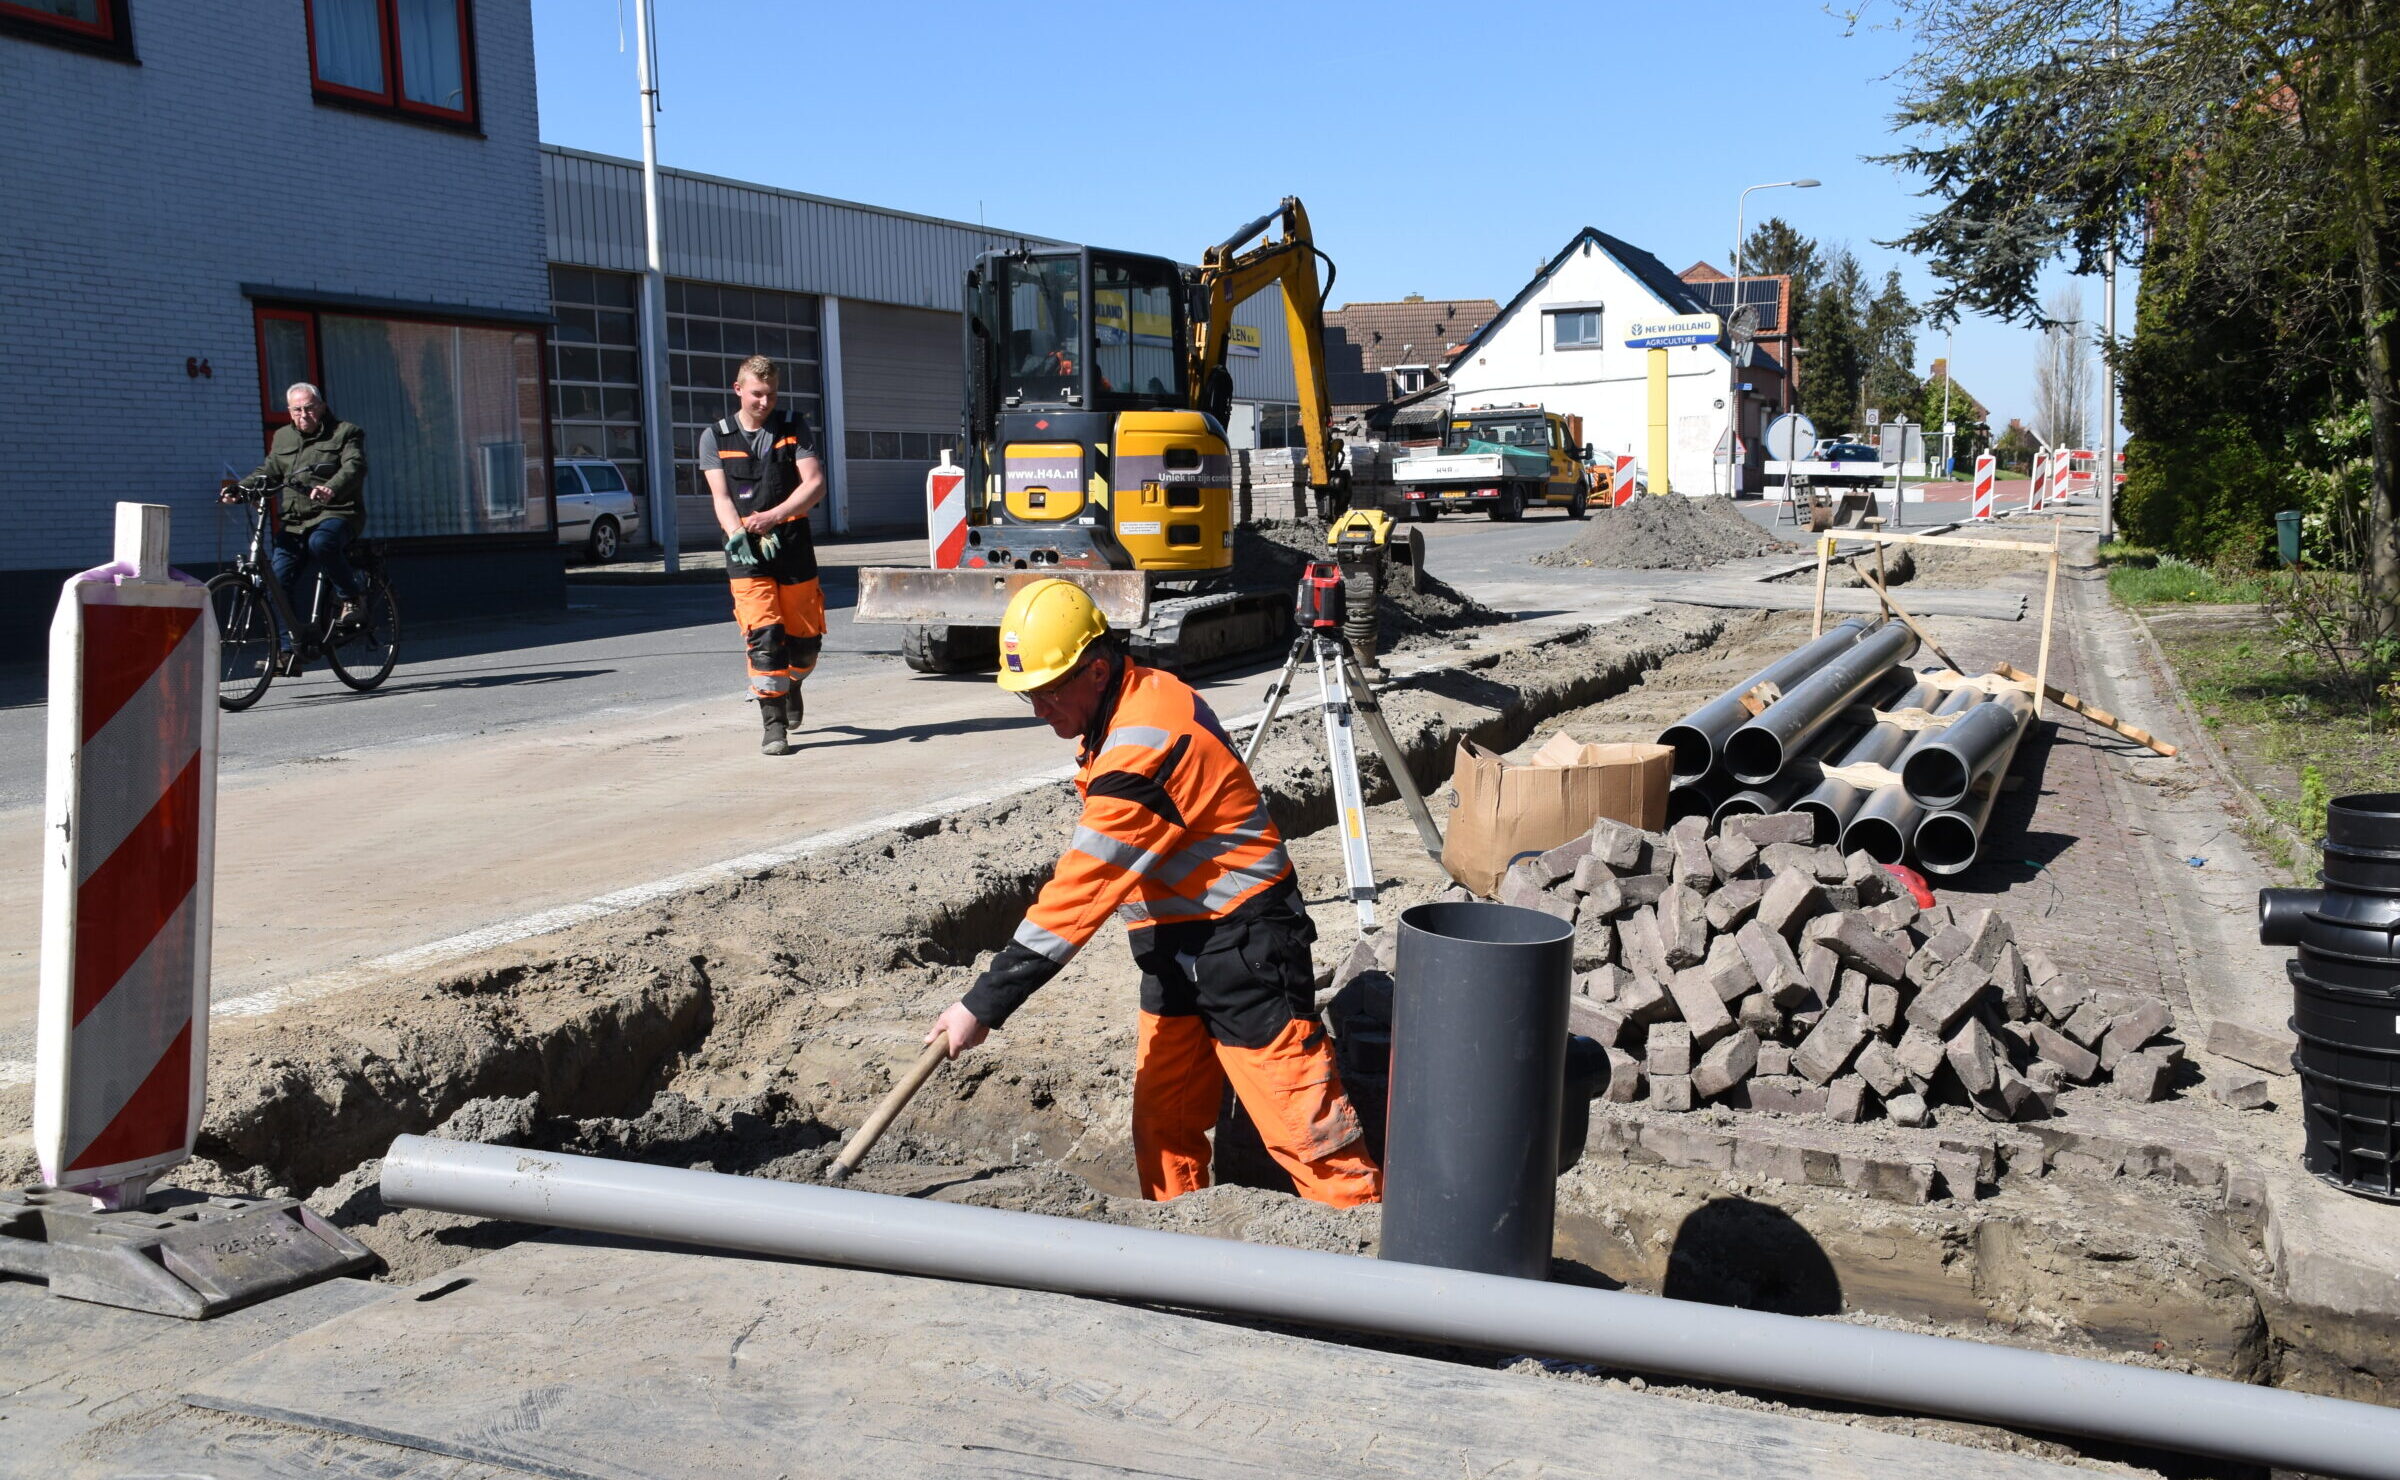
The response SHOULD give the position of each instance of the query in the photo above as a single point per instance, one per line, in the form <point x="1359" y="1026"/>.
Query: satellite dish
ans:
<point x="1791" y="437"/>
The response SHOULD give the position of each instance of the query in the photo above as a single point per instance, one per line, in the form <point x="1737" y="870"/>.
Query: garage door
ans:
<point x="901" y="389"/>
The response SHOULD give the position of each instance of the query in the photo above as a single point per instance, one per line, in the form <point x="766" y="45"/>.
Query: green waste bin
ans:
<point x="2287" y="536"/>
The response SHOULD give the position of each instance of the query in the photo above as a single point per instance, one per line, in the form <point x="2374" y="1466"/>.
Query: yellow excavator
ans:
<point x="1097" y="397"/>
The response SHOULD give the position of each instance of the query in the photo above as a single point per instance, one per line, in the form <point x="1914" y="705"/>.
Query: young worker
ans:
<point x="763" y="477"/>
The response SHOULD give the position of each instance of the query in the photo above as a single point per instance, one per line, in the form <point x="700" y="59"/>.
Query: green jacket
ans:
<point x="297" y="458"/>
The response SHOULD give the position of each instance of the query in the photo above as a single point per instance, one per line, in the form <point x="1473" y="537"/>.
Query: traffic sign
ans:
<point x="1874" y="417"/>
<point x="1697" y="328"/>
<point x="1791" y="437"/>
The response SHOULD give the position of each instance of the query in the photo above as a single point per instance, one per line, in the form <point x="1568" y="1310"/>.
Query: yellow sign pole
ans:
<point x="1658" y="419"/>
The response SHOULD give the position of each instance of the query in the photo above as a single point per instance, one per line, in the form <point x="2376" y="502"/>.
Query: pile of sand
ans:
<point x="1669" y="533"/>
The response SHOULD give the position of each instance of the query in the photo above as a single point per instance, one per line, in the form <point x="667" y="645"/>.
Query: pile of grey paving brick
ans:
<point x="1752" y="969"/>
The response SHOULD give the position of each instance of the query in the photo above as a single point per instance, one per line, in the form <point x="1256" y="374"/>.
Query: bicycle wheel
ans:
<point x="245" y="639"/>
<point x="363" y="653"/>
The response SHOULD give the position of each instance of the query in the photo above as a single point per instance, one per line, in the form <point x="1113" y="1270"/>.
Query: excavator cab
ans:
<point x="1083" y="451"/>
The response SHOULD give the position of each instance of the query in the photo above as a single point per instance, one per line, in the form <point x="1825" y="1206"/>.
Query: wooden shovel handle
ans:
<point x="893" y="1103"/>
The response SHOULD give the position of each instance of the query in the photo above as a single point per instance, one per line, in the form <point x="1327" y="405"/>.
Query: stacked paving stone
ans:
<point x="1752" y="969"/>
<point x="1273" y="482"/>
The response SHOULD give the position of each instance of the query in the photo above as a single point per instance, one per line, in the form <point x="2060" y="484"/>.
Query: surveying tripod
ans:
<point x="1343" y="692"/>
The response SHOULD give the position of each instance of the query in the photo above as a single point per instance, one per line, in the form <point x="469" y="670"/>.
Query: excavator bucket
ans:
<point x="921" y="597"/>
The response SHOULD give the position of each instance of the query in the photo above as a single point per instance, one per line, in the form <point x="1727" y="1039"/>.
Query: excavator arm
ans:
<point x="1229" y="277"/>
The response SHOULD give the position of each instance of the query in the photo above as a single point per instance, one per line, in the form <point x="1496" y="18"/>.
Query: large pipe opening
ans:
<point x="1753" y="755"/>
<point x="1879" y="836"/>
<point x="1824" y="817"/>
<point x="1936" y="777"/>
<point x="1694" y="753"/>
<point x="1946" y="843"/>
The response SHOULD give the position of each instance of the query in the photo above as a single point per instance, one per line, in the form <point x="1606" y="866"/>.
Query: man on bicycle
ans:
<point x="763" y="477"/>
<point x="319" y="462"/>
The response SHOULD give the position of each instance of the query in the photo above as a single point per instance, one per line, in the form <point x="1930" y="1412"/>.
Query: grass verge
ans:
<point x="2294" y="738"/>
<point x="2141" y="577"/>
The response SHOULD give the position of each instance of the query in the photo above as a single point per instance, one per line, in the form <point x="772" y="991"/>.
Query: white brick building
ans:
<point x="348" y="189"/>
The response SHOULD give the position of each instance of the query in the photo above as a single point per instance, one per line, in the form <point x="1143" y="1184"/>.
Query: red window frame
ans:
<point x="394" y="94"/>
<point x="103" y="29"/>
<point x="276" y="415"/>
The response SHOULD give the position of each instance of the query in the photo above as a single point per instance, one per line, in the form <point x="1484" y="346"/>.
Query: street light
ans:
<point x="1733" y="397"/>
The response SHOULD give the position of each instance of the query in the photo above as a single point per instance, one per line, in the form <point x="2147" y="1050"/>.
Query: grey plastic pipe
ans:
<point x="1885" y="822"/>
<point x="1830" y="803"/>
<point x="1945" y="769"/>
<point x="1756" y="752"/>
<point x="1950" y="840"/>
<point x="1700" y="735"/>
<point x="1828" y="1359"/>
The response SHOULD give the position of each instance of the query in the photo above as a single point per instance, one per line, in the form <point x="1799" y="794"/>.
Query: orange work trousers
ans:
<point x="783" y="630"/>
<point x="1290" y="1087"/>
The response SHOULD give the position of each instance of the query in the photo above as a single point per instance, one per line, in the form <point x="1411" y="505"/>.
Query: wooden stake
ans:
<point x="1880" y="579"/>
<point x="2041" y="673"/>
<point x="2089" y="710"/>
<point x="1824" y="558"/>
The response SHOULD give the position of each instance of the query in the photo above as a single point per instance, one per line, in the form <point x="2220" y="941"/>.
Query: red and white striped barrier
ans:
<point x="2062" y="482"/>
<point x="1983" y="485"/>
<point x="129" y="843"/>
<point x="946" y="513"/>
<point x="2037" y="490"/>
<point x="1620" y="486"/>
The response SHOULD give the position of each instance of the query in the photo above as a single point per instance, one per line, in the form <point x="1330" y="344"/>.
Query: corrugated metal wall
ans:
<point x="721" y="231"/>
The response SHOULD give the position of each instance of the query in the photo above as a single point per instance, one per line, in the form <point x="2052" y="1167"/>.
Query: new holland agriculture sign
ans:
<point x="1698" y="328"/>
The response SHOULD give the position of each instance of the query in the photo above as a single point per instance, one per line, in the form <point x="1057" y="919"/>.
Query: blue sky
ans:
<point x="1444" y="150"/>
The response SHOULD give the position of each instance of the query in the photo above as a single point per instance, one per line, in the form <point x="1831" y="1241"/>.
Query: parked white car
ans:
<point x="595" y="508"/>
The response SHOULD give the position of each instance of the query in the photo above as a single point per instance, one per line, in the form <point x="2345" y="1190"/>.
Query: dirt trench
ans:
<point x="740" y="1026"/>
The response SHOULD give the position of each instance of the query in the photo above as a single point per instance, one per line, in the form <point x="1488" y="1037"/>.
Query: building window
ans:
<point x="596" y="369"/>
<point x="452" y="413"/>
<point x="711" y="329"/>
<point x="1574" y="328"/>
<point x="88" y="25"/>
<point x="924" y="448"/>
<point x="413" y="56"/>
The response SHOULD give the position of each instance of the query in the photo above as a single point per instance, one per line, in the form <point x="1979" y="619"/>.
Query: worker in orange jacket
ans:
<point x="1175" y="838"/>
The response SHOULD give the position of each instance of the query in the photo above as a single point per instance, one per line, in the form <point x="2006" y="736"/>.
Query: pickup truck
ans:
<point x="1502" y="460"/>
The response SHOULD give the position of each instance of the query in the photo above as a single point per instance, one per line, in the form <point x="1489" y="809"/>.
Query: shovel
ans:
<point x="879" y="1122"/>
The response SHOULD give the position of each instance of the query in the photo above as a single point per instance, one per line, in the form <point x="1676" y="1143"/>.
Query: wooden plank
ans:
<point x="2089" y="710"/>
<point x="1773" y="597"/>
<point x="633" y="1363"/>
<point x="2041" y="670"/>
<point x="1824" y="558"/>
<point x="1961" y="541"/>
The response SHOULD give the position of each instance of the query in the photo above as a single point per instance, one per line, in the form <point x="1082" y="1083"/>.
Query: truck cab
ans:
<point x="1501" y="460"/>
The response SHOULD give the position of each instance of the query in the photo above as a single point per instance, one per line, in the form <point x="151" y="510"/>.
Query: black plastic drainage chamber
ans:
<point x="1479" y="1047"/>
<point x="2346" y="996"/>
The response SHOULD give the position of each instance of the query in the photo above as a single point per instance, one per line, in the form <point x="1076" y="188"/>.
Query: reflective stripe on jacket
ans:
<point x="1173" y="829"/>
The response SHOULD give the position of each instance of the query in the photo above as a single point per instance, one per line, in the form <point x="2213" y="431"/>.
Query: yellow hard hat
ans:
<point x="1043" y="633"/>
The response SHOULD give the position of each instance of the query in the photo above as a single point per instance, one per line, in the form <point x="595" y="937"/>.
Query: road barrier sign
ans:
<point x="946" y="513"/>
<point x="2037" y="491"/>
<point x="1620" y="483"/>
<point x="1983" y="485"/>
<point x="121" y="1055"/>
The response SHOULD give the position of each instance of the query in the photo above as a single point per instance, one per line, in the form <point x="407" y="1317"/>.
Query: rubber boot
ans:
<point x="773" y="741"/>
<point x="792" y="708"/>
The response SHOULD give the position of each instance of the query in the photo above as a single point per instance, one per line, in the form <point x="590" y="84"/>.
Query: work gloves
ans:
<point x="745" y="548"/>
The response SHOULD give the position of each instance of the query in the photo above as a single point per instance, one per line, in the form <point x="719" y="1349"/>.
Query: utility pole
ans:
<point x="1949" y="348"/>
<point x="658" y="445"/>
<point x="2108" y="369"/>
<point x="1733" y="387"/>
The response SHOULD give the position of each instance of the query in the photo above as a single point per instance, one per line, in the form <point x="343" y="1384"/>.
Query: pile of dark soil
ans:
<point x="1412" y="611"/>
<point x="1669" y="533"/>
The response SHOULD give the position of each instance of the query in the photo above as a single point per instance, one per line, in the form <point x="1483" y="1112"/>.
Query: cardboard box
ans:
<point x="1507" y="812"/>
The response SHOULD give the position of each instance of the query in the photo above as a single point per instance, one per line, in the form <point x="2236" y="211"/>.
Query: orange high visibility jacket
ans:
<point x="1173" y="829"/>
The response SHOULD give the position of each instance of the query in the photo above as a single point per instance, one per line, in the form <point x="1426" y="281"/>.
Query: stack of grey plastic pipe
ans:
<point x="1730" y="762"/>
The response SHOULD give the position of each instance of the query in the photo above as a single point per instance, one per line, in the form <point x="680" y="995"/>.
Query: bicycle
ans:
<point x="252" y="610"/>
